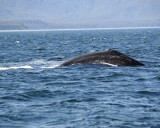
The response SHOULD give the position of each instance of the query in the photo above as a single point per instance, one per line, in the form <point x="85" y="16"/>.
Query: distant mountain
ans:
<point x="27" y="14"/>
<point x="37" y="24"/>
<point x="24" y="24"/>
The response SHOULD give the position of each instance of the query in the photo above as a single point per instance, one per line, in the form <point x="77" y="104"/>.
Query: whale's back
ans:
<point x="110" y="56"/>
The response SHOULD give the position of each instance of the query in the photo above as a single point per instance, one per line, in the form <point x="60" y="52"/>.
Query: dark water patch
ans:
<point x="117" y="105"/>
<point x="11" y="126"/>
<point x="60" y="92"/>
<point x="157" y="78"/>
<point x="73" y="100"/>
<point x="11" y="118"/>
<point x="141" y="106"/>
<point x="145" y="118"/>
<point x="149" y="93"/>
<point x="155" y="109"/>
<point x="81" y="100"/>
<point x="18" y="97"/>
<point x="156" y="126"/>
<point x="39" y="94"/>
<point x="61" y="83"/>
<point x="140" y="79"/>
<point x="89" y="100"/>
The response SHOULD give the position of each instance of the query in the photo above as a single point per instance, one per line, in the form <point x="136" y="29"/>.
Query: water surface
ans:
<point x="35" y="93"/>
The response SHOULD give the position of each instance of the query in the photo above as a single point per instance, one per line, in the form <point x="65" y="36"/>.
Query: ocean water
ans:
<point x="36" y="93"/>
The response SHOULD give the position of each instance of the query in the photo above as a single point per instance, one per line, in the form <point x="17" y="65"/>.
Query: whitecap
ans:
<point x="17" y="41"/>
<point x="16" y="67"/>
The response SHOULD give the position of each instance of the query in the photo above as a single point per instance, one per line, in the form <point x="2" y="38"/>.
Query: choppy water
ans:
<point x="35" y="93"/>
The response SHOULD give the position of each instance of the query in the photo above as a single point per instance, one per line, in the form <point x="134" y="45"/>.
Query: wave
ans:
<point x="35" y="64"/>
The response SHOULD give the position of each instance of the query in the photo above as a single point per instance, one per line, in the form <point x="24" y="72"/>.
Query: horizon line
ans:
<point x="77" y="29"/>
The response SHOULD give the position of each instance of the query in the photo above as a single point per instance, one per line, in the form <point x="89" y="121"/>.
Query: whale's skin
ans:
<point x="109" y="57"/>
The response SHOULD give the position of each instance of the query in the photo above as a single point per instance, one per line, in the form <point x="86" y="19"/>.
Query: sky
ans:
<point x="95" y="13"/>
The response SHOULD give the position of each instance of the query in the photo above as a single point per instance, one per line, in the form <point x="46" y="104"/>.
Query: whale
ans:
<point x="109" y="57"/>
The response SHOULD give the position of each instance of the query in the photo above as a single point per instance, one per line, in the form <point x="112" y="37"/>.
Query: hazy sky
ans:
<point x="97" y="12"/>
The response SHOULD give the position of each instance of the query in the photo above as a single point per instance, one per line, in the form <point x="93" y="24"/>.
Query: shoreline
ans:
<point x="78" y="29"/>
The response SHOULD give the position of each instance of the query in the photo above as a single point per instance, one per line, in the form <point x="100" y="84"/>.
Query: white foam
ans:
<point x="16" y="67"/>
<point x="51" y="67"/>
<point x="37" y="62"/>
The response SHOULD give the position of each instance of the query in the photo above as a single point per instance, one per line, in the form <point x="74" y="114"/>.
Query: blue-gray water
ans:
<point x="35" y="93"/>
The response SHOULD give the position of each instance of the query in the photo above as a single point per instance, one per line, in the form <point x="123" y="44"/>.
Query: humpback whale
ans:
<point x="109" y="57"/>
